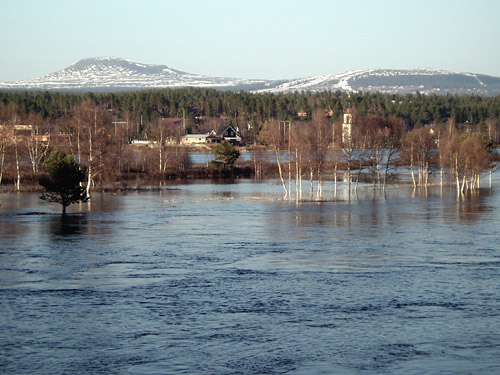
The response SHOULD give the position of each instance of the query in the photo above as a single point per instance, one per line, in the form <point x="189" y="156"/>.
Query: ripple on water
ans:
<point x="402" y="284"/>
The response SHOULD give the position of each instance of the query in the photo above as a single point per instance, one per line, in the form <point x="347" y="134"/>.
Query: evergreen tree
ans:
<point x="62" y="181"/>
<point x="225" y="155"/>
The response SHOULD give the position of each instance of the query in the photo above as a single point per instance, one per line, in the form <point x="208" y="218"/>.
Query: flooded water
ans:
<point x="229" y="279"/>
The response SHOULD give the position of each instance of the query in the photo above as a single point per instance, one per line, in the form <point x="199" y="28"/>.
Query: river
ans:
<point x="210" y="278"/>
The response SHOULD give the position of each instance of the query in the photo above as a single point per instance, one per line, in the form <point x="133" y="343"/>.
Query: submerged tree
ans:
<point x="63" y="181"/>
<point x="273" y="135"/>
<point x="418" y="150"/>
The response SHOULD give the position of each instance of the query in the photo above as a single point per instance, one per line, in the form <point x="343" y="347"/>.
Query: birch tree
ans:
<point x="36" y="144"/>
<point x="393" y="141"/>
<point x="321" y="140"/>
<point x="419" y="148"/>
<point x="273" y="135"/>
<point x="89" y="123"/>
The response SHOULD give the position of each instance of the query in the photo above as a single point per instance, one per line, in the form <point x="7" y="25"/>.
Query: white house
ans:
<point x="200" y="139"/>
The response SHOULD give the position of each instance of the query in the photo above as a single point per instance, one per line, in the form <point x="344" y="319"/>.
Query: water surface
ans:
<point x="230" y="279"/>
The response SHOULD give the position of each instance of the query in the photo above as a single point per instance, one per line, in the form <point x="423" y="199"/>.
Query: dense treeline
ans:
<point x="242" y="108"/>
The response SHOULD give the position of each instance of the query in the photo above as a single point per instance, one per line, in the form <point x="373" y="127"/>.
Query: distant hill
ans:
<point x="110" y="74"/>
<point x="425" y="81"/>
<point x="114" y="74"/>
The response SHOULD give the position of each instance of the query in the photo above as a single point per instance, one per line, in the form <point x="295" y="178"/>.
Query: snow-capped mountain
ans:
<point x="108" y="73"/>
<point x="112" y="74"/>
<point x="425" y="81"/>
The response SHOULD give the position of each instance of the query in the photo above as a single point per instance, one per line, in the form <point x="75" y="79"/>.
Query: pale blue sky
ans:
<point x="252" y="39"/>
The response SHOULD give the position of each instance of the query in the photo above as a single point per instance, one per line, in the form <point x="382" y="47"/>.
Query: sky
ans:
<point x="267" y="39"/>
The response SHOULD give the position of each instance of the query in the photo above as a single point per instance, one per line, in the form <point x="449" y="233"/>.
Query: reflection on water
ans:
<point x="230" y="279"/>
<point x="379" y="211"/>
<point x="67" y="225"/>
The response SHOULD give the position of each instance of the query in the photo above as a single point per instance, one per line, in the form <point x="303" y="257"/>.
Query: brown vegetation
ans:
<point x="314" y="147"/>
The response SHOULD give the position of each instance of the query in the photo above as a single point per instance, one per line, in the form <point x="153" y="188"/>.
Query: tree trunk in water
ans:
<point x="89" y="181"/>
<point x="377" y="167"/>
<point x="256" y="167"/>
<point x="297" y="178"/>
<point x="300" y="183"/>
<point x="320" y="182"/>
<point x="280" y="170"/>
<point x="335" y="181"/>
<point x="161" y="160"/>
<point x="311" y="181"/>
<point x="411" y="167"/>
<point x="2" y="160"/>
<point x="18" y="182"/>
<point x="387" y="164"/>
<point x="349" y="173"/>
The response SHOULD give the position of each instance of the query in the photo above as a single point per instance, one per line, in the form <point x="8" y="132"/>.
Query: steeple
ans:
<point x="347" y="126"/>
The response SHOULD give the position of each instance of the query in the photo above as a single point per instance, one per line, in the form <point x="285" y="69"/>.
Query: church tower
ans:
<point x="347" y="127"/>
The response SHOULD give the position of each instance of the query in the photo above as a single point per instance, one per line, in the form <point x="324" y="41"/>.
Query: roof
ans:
<point x="172" y="120"/>
<point x="196" y="135"/>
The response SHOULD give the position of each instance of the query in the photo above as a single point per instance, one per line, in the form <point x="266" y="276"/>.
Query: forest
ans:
<point x="308" y="134"/>
<point x="242" y="107"/>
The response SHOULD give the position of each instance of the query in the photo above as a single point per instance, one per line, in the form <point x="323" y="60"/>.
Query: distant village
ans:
<point x="169" y="132"/>
<point x="228" y="133"/>
<point x="46" y="134"/>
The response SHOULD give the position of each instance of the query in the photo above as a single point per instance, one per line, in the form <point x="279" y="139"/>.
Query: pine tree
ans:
<point x="63" y="180"/>
<point x="224" y="154"/>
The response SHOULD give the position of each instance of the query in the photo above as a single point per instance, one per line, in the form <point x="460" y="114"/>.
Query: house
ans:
<point x="232" y="135"/>
<point x="143" y="141"/>
<point x="200" y="139"/>
<point x="173" y="122"/>
<point x="19" y="133"/>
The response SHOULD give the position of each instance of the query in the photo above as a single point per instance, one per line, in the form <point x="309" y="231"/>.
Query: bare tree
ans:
<point x="5" y="139"/>
<point x="475" y="160"/>
<point x="90" y="123"/>
<point x="258" y="157"/>
<point x="393" y="141"/>
<point x="37" y="144"/>
<point x="492" y="130"/>
<point x="336" y="152"/>
<point x="15" y="125"/>
<point x="300" y="152"/>
<point x="273" y="135"/>
<point x="466" y="157"/>
<point x="449" y="152"/>
<point x="321" y="140"/>
<point x="419" y="148"/>
<point x="3" y="151"/>
<point x="374" y="127"/>
<point x="179" y="158"/>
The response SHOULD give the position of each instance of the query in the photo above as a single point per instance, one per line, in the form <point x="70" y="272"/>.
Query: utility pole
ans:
<point x="184" y="120"/>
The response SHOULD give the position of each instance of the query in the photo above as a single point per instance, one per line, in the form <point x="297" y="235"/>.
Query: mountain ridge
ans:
<point x="117" y="74"/>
